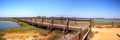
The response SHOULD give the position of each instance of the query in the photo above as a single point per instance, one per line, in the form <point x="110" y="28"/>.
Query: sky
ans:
<point x="69" y="8"/>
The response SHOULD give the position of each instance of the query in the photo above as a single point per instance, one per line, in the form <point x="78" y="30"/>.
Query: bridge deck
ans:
<point x="34" y="22"/>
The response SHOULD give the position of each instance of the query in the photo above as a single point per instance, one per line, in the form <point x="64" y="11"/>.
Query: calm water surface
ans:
<point x="7" y="24"/>
<point x="105" y="20"/>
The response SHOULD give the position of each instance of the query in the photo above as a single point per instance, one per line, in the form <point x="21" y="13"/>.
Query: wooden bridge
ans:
<point x="83" y="26"/>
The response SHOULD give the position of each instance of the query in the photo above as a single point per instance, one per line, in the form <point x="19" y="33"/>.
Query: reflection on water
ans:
<point x="7" y="24"/>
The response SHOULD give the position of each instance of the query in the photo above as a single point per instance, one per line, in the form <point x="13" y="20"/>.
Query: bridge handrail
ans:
<point x="79" y="32"/>
<point x="82" y="37"/>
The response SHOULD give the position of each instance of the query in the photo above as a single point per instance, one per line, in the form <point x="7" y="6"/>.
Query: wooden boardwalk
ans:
<point x="52" y="25"/>
<point x="65" y="26"/>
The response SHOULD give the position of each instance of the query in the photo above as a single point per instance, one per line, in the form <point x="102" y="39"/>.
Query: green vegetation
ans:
<point x="57" y="34"/>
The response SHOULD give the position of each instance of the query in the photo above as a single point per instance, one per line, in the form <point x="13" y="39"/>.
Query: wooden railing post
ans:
<point x="50" y="24"/>
<point x="61" y="20"/>
<point x="66" y="26"/>
<point x="112" y="24"/>
<point x="76" y="23"/>
<point x="32" y="21"/>
<point x="64" y="29"/>
<point x="52" y="20"/>
<point x="38" y="21"/>
<point x="80" y="34"/>
<point x="91" y="22"/>
<point x="67" y="23"/>
<point x="42" y="20"/>
<point x="90" y="26"/>
<point x="35" y="19"/>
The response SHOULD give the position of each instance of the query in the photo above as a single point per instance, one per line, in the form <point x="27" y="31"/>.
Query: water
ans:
<point x="7" y="24"/>
<point x="106" y="20"/>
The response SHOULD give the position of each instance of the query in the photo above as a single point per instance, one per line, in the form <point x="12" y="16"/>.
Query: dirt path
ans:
<point x="105" y="33"/>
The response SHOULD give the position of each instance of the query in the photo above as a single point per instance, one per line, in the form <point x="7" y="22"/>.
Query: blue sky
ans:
<point x="70" y="8"/>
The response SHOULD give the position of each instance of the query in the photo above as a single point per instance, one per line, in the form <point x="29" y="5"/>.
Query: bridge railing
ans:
<point x="80" y="35"/>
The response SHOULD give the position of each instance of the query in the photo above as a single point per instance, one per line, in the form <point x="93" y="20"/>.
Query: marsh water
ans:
<point x="105" y="20"/>
<point x="8" y="24"/>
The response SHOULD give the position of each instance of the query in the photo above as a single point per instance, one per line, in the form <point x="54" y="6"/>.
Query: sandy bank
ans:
<point x="105" y="33"/>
